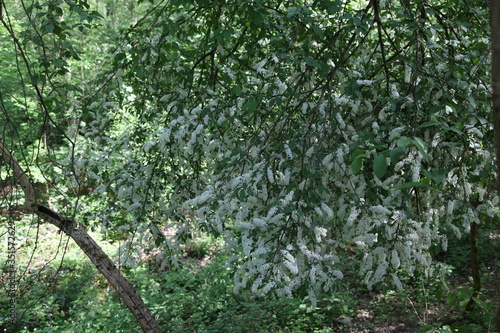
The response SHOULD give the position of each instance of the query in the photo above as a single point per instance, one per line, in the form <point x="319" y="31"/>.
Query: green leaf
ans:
<point x="404" y="142"/>
<point x="358" y="153"/>
<point x="59" y="63"/>
<point x="251" y="105"/>
<point x="412" y="184"/>
<point x="356" y="165"/>
<point x="436" y="175"/>
<point x="379" y="166"/>
<point x="451" y="299"/>
<point x="38" y="79"/>
<point x="275" y="101"/>
<point x="396" y="154"/>
<point x="318" y="31"/>
<point x="49" y="28"/>
<point x="236" y="90"/>
<point x="159" y="241"/>
<point x="312" y="62"/>
<point x="420" y="144"/>
<point x="482" y="304"/>
<point x="430" y="123"/>
<point x="426" y="180"/>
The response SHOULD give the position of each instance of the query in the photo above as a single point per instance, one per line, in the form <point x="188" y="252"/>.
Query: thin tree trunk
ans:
<point x="495" y="85"/>
<point x="98" y="257"/>
<point x="474" y="260"/>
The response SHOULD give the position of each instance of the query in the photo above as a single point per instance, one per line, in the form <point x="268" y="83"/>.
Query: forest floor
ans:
<point x="423" y="306"/>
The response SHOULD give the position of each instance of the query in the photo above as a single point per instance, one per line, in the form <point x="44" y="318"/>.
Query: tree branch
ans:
<point x="98" y="257"/>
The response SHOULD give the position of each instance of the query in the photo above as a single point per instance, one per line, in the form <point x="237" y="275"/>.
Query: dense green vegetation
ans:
<point x="199" y="297"/>
<point x="251" y="165"/>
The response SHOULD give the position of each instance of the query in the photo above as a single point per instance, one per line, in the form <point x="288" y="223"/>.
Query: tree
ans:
<point x="294" y="130"/>
<point x="297" y="130"/>
<point x="495" y="38"/>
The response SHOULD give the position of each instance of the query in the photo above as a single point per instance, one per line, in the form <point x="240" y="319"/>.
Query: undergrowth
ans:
<point x="199" y="297"/>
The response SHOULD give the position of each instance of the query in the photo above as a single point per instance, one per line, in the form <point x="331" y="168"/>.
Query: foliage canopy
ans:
<point x="294" y="130"/>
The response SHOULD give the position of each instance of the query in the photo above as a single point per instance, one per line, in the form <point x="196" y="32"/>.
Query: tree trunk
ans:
<point x="98" y="257"/>
<point x="495" y="85"/>
<point x="474" y="259"/>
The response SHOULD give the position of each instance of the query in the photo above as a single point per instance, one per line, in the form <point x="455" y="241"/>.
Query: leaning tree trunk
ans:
<point x="98" y="257"/>
<point x="495" y="84"/>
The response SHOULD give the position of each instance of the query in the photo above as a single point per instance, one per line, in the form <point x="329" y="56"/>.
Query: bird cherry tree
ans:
<point x="293" y="130"/>
<point x="296" y="130"/>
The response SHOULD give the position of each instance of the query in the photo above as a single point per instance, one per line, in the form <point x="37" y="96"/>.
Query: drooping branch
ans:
<point x="98" y="257"/>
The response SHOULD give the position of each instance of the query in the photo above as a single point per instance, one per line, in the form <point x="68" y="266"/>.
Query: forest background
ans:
<point x="322" y="166"/>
